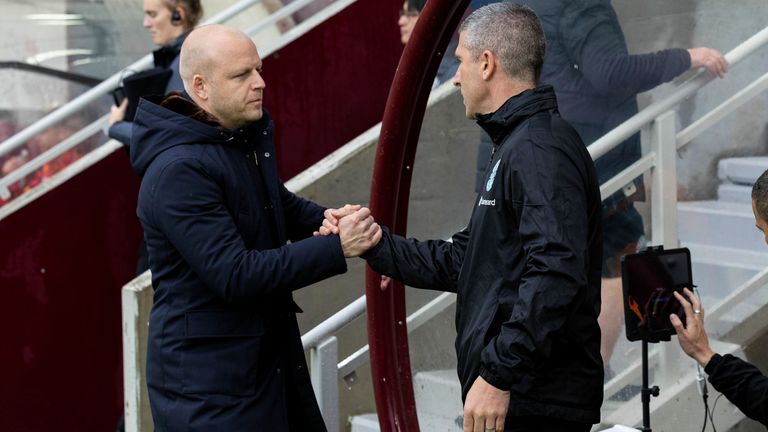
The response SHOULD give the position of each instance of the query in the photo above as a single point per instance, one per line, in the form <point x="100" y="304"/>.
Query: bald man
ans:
<point x="224" y="350"/>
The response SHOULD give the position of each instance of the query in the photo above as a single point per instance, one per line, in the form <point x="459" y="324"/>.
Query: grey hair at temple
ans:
<point x="511" y="32"/>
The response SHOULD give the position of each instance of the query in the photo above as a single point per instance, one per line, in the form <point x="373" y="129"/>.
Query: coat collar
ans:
<point x="498" y="124"/>
<point x="165" y="55"/>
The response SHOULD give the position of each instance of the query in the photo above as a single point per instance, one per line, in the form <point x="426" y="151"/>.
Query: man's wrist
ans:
<point x="704" y="356"/>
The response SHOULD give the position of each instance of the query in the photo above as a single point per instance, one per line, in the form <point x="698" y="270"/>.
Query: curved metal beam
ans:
<point x="42" y="70"/>
<point x="390" y="190"/>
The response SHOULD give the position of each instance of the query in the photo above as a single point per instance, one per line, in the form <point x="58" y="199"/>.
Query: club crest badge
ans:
<point x="492" y="177"/>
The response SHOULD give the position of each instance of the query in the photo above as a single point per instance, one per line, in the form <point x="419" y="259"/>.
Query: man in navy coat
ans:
<point x="228" y="244"/>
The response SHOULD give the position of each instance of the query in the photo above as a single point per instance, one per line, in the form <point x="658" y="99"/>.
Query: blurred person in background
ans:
<point x="169" y="22"/>
<point x="596" y="81"/>
<point x="409" y="15"/>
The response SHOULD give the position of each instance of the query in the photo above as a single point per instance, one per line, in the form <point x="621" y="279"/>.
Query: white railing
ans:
<point x="104" y="88"/>
<point x="30" y="167"/>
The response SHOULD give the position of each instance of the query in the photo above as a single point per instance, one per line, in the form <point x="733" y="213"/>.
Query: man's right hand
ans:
<point x="358" y="232"/>
<point x="711" y="59"/>
<point x="332" y="216"/>
<point x="692" y="337"/>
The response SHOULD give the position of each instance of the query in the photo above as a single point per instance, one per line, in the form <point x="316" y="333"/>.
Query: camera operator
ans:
<point x="741" y="382"/>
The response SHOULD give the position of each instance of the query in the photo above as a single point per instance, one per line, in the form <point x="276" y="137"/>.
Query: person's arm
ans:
<point x="741" y="382"/>
<point x="118" y="128"/>
<point x="303" y="217"/>
<point x="595" y="42"/>
<point x="200" y="227"/>
<point x="431" y="264"/>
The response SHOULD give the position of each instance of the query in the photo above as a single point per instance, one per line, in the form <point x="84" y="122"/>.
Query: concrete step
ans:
<point x="730" y="192"/>
<point x="717" y="271"/>
<point x="365" y="423"/>
<point x="721" y="224"/>
<point x="742" y="170"/>
<point x="438" y="400"/>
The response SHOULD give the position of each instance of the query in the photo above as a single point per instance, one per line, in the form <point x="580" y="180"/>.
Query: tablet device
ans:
<point x="118" y="95"/>
<point x="649" y="278"/>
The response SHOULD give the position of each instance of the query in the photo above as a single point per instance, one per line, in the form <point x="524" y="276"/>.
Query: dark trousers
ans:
<point x="543" y="424"/>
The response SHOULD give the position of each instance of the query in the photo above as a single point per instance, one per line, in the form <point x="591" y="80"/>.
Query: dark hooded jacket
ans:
<point x="224" y="350"/>
<point x="526" y="268"/>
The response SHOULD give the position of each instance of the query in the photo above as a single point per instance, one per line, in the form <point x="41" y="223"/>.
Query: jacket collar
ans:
<point x="162" y="123"/>
<point x="498" y="124"/>
<point x="181" y="103"/>
<point x="165" y="55"/>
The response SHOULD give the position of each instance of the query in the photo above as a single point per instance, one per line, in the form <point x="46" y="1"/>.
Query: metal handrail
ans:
<point x="647" y="115"/>
<point x="274" y="17"/>
<point x="415" y="320"/>
<point x="335" y="322"/>
<point x="30" y="167"/>
<point x="51" y="72"/>
<point x="109" y="84"/>
<point x="732" y="104"/>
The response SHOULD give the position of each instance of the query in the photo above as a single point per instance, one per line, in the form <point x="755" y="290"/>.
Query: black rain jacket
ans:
<point x="526" y="269"/>
<point x="742" y="383"/>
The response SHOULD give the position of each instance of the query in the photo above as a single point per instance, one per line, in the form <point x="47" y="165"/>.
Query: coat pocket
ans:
<point x="220" y="353"/>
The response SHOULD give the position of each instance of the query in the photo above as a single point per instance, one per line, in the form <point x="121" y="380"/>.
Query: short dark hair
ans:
<point x="760" y="196"/>
<point x="513" y="33"/>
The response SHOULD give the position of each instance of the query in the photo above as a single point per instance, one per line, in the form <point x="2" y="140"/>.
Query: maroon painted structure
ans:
<point x="390" y="189"/>
<point x="329" y="86"/>
<point x="65" y="256"/>
<point x="63" y="259"/>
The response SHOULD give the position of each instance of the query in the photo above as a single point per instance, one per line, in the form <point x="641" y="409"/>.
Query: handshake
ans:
<point x="355" y="227"/>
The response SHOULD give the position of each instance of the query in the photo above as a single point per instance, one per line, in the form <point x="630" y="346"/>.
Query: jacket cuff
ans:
<point x="494" y="379"/>
<point x="374" y="251"/>
<point x="714" y="364"/>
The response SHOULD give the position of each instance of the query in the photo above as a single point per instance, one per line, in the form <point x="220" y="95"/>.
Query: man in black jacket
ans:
<point x="224" y="350"/>
<point x="527" y="267"/>
<point x="741" y="382"/>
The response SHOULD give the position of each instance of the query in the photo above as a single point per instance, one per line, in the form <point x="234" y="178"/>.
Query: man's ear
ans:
<point x="488" y="65"/>
<point x="200" y="86"/>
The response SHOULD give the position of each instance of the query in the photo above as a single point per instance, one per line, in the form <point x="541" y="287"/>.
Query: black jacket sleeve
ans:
<point x="590" y="31"/>
<point x="302" y="217"/>
<point x="198" y="224"/>
<point x="431" y="264"/>
<point x="742" y="383"/>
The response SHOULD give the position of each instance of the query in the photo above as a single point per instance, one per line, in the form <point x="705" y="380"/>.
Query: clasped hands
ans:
<point x="355" y="227"/>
